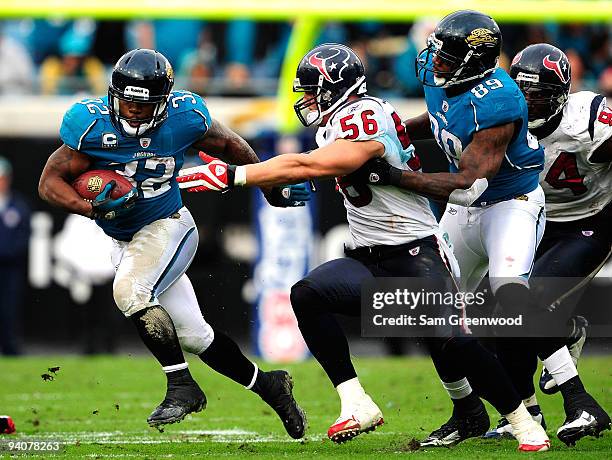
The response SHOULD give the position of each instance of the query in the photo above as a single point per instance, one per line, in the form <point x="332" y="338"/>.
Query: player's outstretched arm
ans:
<point x="337" y="159"/>
<point x="64" y="165"/>
<point x="419" y="127"/>
<point x="222" y="141"/>
<point x="480" y="162"/>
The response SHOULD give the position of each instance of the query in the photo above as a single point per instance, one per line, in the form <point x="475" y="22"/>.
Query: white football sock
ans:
<point x="560" y="366"/>
<point x="520" y="418"/>
<point x="350" y="392"/>
<point x="458" y="389"/>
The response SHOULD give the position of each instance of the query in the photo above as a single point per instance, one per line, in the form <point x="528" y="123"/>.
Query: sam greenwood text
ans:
<point x="452" y="320"/>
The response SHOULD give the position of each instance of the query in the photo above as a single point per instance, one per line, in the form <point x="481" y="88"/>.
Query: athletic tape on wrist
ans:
<point x="239" y="176"/>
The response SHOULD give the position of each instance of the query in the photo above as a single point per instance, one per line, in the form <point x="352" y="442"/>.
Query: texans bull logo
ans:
<point x="560" y="68"/>
<point x="332" y="72"/>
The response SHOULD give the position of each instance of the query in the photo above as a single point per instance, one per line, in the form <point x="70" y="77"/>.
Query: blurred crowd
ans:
<point x="243" y="57"/>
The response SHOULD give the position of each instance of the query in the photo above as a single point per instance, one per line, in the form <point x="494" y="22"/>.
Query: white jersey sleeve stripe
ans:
<point x="85" y="134"/>
<point x="475" y="118"/>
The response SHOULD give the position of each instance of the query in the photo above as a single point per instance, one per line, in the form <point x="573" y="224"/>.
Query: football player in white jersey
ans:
<point x="576" y="133"/>
<point x="394" y="233"/>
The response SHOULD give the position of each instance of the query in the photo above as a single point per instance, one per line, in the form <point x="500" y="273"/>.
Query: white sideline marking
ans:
<point x="184" y="436"/>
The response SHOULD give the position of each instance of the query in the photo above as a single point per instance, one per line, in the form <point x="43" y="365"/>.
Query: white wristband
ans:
<point x="240" y="176"/>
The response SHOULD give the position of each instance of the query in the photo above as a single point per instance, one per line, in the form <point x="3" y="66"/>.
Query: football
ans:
<point x="91" y="183"/>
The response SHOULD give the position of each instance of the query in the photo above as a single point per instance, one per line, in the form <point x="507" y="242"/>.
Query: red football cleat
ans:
<point x="7" y="426"/>
<point x="363" y="417"/>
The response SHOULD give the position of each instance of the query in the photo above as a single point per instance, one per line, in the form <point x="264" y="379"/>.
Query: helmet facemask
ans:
<point x="324" y="100"/>
<point x="544" y="100"/>
<point x="160" y="111"/>
<point x="459" y="70"/>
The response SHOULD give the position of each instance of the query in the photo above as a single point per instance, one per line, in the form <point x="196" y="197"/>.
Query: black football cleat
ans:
<point x="276" y="389"/>
<point x="459" y="428"/>
<point x="181" y="399"/>
<point x="585" y="417"/>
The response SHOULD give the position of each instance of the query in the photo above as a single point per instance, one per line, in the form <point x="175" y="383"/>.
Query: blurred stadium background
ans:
<point x="240" y="56"/>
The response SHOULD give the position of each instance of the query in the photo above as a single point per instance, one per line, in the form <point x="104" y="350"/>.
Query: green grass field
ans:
<point x="98" y="406"/>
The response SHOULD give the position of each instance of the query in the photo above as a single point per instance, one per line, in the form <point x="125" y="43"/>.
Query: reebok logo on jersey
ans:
<point x="353" y="108"/>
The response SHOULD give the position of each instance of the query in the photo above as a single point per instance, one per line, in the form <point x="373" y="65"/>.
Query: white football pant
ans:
<point x="501" y="238"/>
<point x="150" y="270"/>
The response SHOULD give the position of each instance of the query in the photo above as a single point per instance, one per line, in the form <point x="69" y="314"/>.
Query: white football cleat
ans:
<point x="362" y="417"/>
<point x="532" y="438"/>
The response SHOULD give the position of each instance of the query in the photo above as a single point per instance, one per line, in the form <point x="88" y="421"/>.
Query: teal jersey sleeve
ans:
<point x="496" y="101"/>
<point x="188" y="112"/>
<point x="80" y="120"/>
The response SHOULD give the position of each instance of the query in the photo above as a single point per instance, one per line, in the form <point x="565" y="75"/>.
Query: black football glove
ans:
<point x="107" y="208"/>
<point x="376" y="172"/>
<point x="288" y="196"/>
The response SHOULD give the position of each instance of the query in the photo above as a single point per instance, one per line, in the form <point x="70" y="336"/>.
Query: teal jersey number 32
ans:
<point x="150" y="161"/>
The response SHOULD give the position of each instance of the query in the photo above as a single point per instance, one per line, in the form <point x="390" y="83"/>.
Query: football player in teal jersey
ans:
<point x="142" y="130"/>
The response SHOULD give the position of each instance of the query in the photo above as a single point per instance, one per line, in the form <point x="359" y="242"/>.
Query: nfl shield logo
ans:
<point x="145" y="142"/>
<point x="415" y="251"/>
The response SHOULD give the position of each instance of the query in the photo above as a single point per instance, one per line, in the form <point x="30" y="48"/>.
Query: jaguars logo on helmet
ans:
<point x="543" y="73"/>
<point x="328" y="74"/>
<point x="481" y="36"/>
<point x="464" y="46"/>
